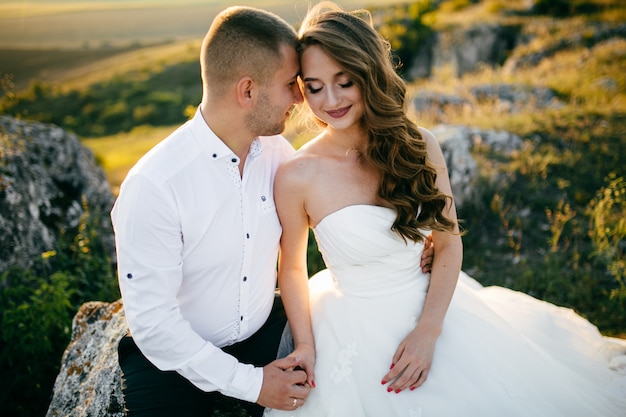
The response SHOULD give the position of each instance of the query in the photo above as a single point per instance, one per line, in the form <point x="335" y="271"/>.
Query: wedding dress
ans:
<point x="501" y="353"/>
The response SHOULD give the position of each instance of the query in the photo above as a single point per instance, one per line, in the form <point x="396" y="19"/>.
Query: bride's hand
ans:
<point x="412" y="360"/>
<point x="305" y="357"/>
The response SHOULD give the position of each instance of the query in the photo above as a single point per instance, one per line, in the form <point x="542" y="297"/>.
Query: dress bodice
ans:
<point x="364" y="255"/>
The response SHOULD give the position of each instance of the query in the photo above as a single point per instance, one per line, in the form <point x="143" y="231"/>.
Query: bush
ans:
<point x="114" y="106"/>
<point x="38" y="307"/>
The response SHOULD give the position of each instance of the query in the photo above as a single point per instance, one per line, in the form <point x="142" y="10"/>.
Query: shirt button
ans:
<point x="241" y="318"/>
<point x="129" y="276"/>
<point x="234" y="160"/>
<point x="247" y="235"/>
<point x="245" y="279"/>
<point x="214" y="155"/>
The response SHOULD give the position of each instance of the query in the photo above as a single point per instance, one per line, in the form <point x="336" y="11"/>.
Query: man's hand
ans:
<point x="284" y="386"/>
<point x="428" y="255"/>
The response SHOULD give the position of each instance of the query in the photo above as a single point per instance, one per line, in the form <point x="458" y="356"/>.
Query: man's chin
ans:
<point x="277" y="130"/>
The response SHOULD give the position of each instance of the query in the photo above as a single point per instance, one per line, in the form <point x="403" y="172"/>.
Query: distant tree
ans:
<point x="404" y="28"/>
<point x="564" y="8"/>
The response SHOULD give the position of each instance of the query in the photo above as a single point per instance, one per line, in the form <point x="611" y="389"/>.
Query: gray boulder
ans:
<point x="459" y="143"/>
<point x="47" y="181"/>
<point x="465" y="50"/>
<point x="89" y="381"/>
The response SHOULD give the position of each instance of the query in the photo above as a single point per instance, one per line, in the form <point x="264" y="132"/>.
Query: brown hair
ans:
<point x="394" y="145"/>
<point x="243" y="41"/>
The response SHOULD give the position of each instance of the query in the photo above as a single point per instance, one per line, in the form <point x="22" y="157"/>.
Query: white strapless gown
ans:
<point x="501" y="353"/>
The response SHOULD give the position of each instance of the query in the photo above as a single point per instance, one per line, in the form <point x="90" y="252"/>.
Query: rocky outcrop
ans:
<point x="47" y="181"/>
<point x="89" y="381"/>
<point x="506" y="97"/>
<point x="458" y="143"/>
<point x="464" y="50"/>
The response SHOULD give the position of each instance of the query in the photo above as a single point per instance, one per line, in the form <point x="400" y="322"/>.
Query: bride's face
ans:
<point x="329" y="92"/>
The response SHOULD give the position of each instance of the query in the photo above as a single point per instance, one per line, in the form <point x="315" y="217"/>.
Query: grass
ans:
<point x="79" y="69"/>
<point x="118" y="153"/>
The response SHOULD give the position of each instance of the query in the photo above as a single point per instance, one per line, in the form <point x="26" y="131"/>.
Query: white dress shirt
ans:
<point x="197" y="246"/>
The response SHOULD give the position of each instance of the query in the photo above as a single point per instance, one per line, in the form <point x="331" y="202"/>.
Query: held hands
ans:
<point x="304" y="353"/>
<point x="284" y="386"/>
<point x="412" y="360"/>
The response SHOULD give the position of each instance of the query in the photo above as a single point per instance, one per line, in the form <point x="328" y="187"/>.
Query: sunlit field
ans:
<point x="59" y="41"/>
<point x="78" y="24"/>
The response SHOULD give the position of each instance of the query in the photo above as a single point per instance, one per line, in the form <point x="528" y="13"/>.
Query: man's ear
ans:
<point x="246" y="91"/>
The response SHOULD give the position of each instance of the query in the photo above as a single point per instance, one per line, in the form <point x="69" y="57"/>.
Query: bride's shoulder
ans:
<point x="298" y="170"/>
<point x="305" y="161"/>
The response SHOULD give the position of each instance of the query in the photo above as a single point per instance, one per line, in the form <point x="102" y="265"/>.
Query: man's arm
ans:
<point x="149" y="249"/>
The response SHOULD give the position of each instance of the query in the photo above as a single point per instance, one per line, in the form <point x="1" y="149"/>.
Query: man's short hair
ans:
<point x="243" y="41"/>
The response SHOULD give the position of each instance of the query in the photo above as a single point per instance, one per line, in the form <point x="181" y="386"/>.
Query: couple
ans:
<point x="197" y="237"/>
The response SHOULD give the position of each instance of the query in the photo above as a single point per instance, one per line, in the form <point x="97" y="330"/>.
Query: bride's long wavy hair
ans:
<point x="394" y="145"/>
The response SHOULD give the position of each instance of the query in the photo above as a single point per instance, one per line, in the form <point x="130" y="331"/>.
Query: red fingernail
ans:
<point x="392" y="365"/>
<point x="389" y="389"/>
<point x="398" y="390"/>
<point x="412" y="388"/>
<point x="313" y="384"/>
<point x="383" y="382"/>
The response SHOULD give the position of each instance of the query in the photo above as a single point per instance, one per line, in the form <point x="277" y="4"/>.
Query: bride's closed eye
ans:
<point x="312" y="90"/>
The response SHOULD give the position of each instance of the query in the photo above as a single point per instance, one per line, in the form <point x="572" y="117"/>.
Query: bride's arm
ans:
<point x="289" y="193"/>
<point x="412" y="361"/>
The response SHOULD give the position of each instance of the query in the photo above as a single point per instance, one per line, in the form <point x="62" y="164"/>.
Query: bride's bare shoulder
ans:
<point x="301" y="167"/>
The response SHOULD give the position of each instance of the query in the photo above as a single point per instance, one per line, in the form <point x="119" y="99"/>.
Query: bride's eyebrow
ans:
<point x="307" y="79"/>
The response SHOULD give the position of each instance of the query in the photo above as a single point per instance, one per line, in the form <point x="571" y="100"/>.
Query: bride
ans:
<point x="376" y="335"/>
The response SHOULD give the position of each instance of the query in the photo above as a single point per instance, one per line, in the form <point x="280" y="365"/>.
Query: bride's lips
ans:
<point x="336" y="114"/>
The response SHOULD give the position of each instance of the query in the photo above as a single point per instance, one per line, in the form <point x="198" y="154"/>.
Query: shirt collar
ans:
<point x="213" y="145"/>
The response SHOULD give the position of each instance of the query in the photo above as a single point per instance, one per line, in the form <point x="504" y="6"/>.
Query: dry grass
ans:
<point x="118" y="153"/>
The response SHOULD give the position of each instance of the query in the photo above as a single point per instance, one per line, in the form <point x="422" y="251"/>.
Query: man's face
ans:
<point x="271" y="111"/>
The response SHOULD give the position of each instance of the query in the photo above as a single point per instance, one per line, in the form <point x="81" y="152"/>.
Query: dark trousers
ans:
<point x="150" y="392"/>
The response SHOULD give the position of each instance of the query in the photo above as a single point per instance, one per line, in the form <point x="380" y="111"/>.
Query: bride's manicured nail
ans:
<point x="383" y="382"/>
<point x="398" y="390"/>
<point x="389" y="389"/>
<point x="313" y="384"/>
<point x="392" y="365"/>
<point x="412" y="388"/>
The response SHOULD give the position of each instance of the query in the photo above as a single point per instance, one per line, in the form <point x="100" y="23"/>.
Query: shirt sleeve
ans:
<point x="149" y="246"/>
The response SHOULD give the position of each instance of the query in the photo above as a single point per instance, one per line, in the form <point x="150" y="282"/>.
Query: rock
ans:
<point x="89" y="381"/>
<point x="46" y="178"/>
<point x="507" y="97"/>
<point x="464" y="50"/>
<point x="457" y="145"/>
<point x="513" y="98"/>
<point x="436" y="103"/>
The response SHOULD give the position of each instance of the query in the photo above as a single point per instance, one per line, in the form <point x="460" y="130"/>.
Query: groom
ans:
<point x="197" y="236"/>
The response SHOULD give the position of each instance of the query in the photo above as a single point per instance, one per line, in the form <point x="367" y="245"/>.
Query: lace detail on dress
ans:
<point x="418" y="412"/>
<point x="343" y="369"/>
